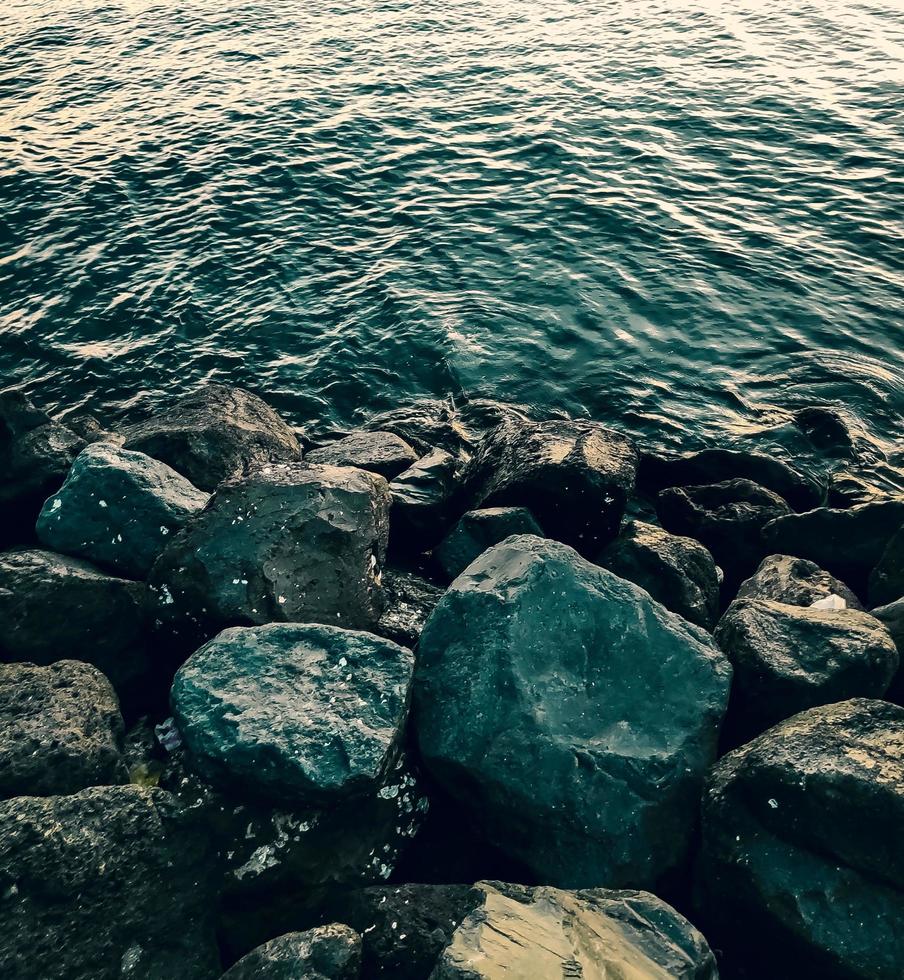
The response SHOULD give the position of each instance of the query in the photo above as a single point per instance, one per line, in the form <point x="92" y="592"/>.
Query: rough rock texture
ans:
<point x="727" y="518"/>
<point x="574" y="477"/>
<point x="802" y="866"/>
<point x="113" y="882"/>
<point x="722" y="465"/>
<point x="848" y="543"/>
<point x="568" y="713"/>
<point x="886" y="581"/>
<point x="521" y="933"/>
<point x="288" y="542"/>
<point x="297" y="713"/>
<point x="56" y="608"/>
<point x="677" y="571"/>
<point x="117" y="508"/>
<point x="377" y="452"/>
<point x="788" y="658"/>
<point x="796" y="582"/>
<point x="408" y="600"/>
<point x="214" y="434"/>
<point x="60" y="730"/>
<point x="478" y="530"/>
<point x="421" y="502"/>
<point x="331" y="952"/>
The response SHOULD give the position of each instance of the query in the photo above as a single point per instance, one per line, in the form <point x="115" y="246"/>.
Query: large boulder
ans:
<point x="521" y="932"/>
<point x="287" y="543"/>
<point x="384" y="453"/>
<point x="422" y="499"/>
<point x="796" y="582"/>
<point x="848" y="543"/>
<point x="727" y="518"/>
<point x="574" y="477"/>
<point x="57" y="608"/>
<point x="721" y="465"/>
<point x="214" y="434"/>
<point x="60" y="730"/>
<point x="478" y="530"/>
<point x="789" y="658"/>
<point x="568" y="713"/>
<point x="294" y="713"/>
<point x="408" y="601"/>
<point x="886" y="581"/>
<point x="802" y="865"/>
<point x="117" y="508"/>
<point x="677" y="571"/>
<point x="330" y="952"/>
<point x="111" y="882"/>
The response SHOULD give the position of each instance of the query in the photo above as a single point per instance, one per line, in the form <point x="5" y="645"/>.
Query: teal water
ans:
<point x="683" y="218"/>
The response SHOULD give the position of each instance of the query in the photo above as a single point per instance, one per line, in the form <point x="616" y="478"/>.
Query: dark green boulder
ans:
<point x="481" y="529"/>
<point x="295" y="713"/>
<point x="330" y="952"/>
<point x="117" y="508"/>
<point x="570" y="715"/>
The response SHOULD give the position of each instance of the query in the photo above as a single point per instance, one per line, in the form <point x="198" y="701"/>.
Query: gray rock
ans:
<point x="478" y="530"/>
<point x="677" y="571"/>
<point x="288" y="542"/>
<point x="297" y="713"/>
<point x="570" y="715"/>
<point x="112" y="882"/>
<point x="214" y="434"/>
<point x="330" y="952"/>
<point x="409" y="600"/>
<point x="546" y="932"/>
<point x="802" y="866"/>
<point x="117" y="508"/>
<point x="60" y="730"/>
<point x="574" y="477"/>
<point x="57" y="608"/>
<point x="796" y="582"/>
<point x="788" y="658"/>
<point x="421" y="503"/>
<point x="384" y="453"/>
<point x="886" y="581"/>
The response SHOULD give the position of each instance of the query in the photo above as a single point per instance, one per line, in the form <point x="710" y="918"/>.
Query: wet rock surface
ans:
<point x="408" y="601"/>
<point x="533" y="709"/>
<point x="801" y="865"/>
<point x="677" y="571"/>
<point x="422" y="502"/>
<point x="117" y="508"/>
<point x="478" y="530"/>
<point x="796" y="582"/>
<point x="60" y="730"/>
<point x="330" y="952"/>
<point x="384" y="453"/>
<point x="110" y="882"/>
<point x="214" y="434"/>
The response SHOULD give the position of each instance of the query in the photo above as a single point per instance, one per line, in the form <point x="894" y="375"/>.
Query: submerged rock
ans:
<point x="802" y="864"/>
<point x="384" y="453"/>
<point x="569" y="714"/>
<point x="331" y="952"/>
<point x="290" y="543"/>
<point x="886" y="581"/>
<point x="574" y="477"/>
<point x="677" y="571"/>
<point x="409" y="600"/>
<point x="214" y="434"/>
<point x="60" y="730"/>
<point x="478" y="530"/>
<point x="546" y="932"/>
<point x="421" y="502"/>
<point x="294" y="713"/>
<point x="111" y="882"/>
<point x="117" y="508"/>
<point x="57" y="608"/>
<point x="788" y="658"/>
<point x="796" y="582"/>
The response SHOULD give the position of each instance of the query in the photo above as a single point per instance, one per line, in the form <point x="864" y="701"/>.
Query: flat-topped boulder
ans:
<point x="287" y="543"/>
<point x="802" y="866"/>
<point x="517" y="931"/>
<point x="677" y="571"/>
<point x="574" y="477"/>
<point x="214" y="434"/>
<point x="331" y="952"/>
<point x="60" y="730"/>
<point x="570" y="715"/>
<point x="296" y="713"/>
<point x="384" y="453"/>
<point x="117" y="508"/>
<point x="796" y="582"/>
<point x="478" y="530"/>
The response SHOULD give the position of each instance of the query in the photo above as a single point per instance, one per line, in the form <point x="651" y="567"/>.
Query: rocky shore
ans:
<point x="461" y="694"/>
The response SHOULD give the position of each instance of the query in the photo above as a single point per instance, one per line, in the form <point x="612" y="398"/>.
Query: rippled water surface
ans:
<point x="681" y="217"/>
